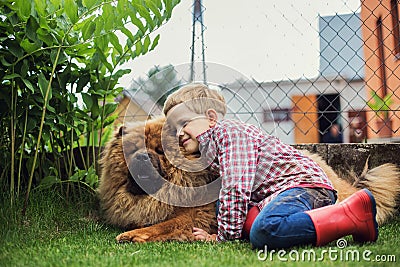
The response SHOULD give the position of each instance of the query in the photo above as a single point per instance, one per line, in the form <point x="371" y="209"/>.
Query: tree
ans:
<point x="159" y="83"/>
<point x="53" y="53"/>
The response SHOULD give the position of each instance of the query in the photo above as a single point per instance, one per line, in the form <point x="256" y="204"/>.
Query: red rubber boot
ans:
<point x="251" y="216"/>
<point x="355" y="215"/>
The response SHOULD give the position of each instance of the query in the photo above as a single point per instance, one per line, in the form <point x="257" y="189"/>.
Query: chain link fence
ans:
<point x="355" y="96"/>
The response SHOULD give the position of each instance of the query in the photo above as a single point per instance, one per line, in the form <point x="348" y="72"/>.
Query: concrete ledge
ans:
<point x="345" y="157"/>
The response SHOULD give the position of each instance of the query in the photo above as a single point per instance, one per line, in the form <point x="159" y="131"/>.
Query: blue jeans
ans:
<point x="282" y="223"/>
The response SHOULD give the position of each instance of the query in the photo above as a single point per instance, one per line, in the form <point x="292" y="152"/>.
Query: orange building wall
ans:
<point x="305" y="117"/>
<point x="371" y="11"/>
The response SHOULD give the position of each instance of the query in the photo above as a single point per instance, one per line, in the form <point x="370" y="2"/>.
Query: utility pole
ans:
<point x="198" y="50"/>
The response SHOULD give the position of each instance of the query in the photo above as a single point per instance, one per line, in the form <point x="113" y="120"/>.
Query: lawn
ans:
<point x="57" y="232"/>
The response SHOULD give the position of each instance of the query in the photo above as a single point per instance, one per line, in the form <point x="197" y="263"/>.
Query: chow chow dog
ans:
<point x="134" y="160"/>
<point x="136" y="155"/>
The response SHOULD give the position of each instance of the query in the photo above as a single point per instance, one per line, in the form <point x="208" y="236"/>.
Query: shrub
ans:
<point x="59" y="72"/>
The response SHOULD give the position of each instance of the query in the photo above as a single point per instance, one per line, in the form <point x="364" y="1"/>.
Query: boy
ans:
<point x="270" y="193"/>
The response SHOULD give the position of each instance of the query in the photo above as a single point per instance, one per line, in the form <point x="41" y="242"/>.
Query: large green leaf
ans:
<point x="40" y="7"/>
<point x="99" y="25"/>
<point x="104" y="60"/>
<point x="101" y="42"/>
<point x="88" y="29"/>
<point x="121" y="73"/>
<point x="109" y="108"/>
<point x="91" y="178"/>
<point x="28" y="46"/>
<point x="155" y="42"/>
<point x="43" y="83"/>
<point x="146" y="44"/>
<point x="115" y="42"/>
<point x="95" y="110"/>
<point x="44" y="86"/>
<point x="31" y="27"/>
<point x="87" y="99"/>
<point x="108" y="15"/>
<point x="128" y="34"/>
<point x="15" y="48"/>
<point x="158" y="4"/>
<point x="168" y="8"/>
<point x="24" y="68"/>
<point x="122" y="7"/>
<point x="29" y="85"/>
<point x="11" y="76"/>
<point x="4" y="62"/>
<point x="82" y="82"/>
<point x="146" y="15"/>
<point x="89" y="3"/>
<point x="23" y="8"/>
<point x="139" y="47"/>
<point x="155" y="11"/>
<point x="137" y="21"/>
<point x="71" y="9"/>
<point x="46" y="36"/>
<point x="56" y="4"/>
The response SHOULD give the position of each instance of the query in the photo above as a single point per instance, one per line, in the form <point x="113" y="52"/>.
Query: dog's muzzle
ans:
<point x="143" y="177"/>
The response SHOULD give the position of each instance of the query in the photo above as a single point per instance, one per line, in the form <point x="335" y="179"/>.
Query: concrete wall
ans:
<point x="345" y="157"/>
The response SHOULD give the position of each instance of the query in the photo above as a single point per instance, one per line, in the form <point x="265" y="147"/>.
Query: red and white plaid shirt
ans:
<point x="254" y="167"/>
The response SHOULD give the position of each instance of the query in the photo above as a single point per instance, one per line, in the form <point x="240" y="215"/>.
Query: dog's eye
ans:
<point x="159" y="150"/>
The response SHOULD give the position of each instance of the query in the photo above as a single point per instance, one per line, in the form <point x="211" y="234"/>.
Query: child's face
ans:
<point x="188" y="126"/>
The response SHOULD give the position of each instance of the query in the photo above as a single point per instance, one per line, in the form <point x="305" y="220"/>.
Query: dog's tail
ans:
<point x="384" y="183"/>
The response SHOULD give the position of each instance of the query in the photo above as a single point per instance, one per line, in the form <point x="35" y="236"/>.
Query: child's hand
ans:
<point x="200" y="234"/>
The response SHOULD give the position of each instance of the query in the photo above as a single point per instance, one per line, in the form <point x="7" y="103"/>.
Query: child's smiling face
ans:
<point x="188" y="126"/>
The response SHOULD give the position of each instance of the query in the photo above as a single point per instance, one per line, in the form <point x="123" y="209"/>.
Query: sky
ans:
<point x="265" y="40"/>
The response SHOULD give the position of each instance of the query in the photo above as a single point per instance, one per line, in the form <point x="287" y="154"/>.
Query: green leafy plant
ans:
<point x="380" y="105"/>
<point x="59" y="70"/>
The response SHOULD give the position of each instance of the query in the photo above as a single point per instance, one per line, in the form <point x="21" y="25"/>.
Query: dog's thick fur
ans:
<point x="383" y="181"/>
<point x="125" y="205"/>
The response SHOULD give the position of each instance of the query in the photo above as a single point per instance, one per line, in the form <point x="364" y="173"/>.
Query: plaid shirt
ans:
<point x="254" y="168"/>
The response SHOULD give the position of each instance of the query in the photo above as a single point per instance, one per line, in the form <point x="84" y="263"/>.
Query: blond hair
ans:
<point x="197" y="98"/>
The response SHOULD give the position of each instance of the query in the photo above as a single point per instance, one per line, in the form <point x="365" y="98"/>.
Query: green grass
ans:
<point x="60" y="233"/>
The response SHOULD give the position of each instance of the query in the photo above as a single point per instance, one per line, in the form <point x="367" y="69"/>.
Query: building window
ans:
<point x="277" y="115"/>
<point x="381" y="56"/>
<point x="396" y="26"/>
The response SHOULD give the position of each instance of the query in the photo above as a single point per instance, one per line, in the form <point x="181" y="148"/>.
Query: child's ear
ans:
<point x="212" y="116"/>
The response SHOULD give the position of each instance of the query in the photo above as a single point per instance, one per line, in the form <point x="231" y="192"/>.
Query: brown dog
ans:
<point x="138" y="151"/>
<point x="125" y="203"/>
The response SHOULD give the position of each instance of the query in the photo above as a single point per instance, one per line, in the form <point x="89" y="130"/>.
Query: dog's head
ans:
<point x="144" y="156"/>
<point x="145" y="147"/>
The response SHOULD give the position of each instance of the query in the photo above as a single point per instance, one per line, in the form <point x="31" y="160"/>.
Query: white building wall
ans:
<point x="247" y="101"/>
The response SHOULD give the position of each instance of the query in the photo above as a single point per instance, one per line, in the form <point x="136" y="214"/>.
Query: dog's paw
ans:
<point x="132" y="236"/>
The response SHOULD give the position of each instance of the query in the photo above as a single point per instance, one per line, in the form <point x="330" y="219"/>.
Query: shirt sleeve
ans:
<point x="237" y="159"/>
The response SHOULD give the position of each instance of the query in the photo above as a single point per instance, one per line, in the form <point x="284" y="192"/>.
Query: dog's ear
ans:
<point x="121" y="131"/>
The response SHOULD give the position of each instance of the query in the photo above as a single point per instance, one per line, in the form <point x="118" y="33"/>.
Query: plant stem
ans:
<point x="22" y="152"/>
<point x="40" y="132"/>
<point x="89" y="135"/>
<point x="93" y="147"/>
<point x="13" y="118"/>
